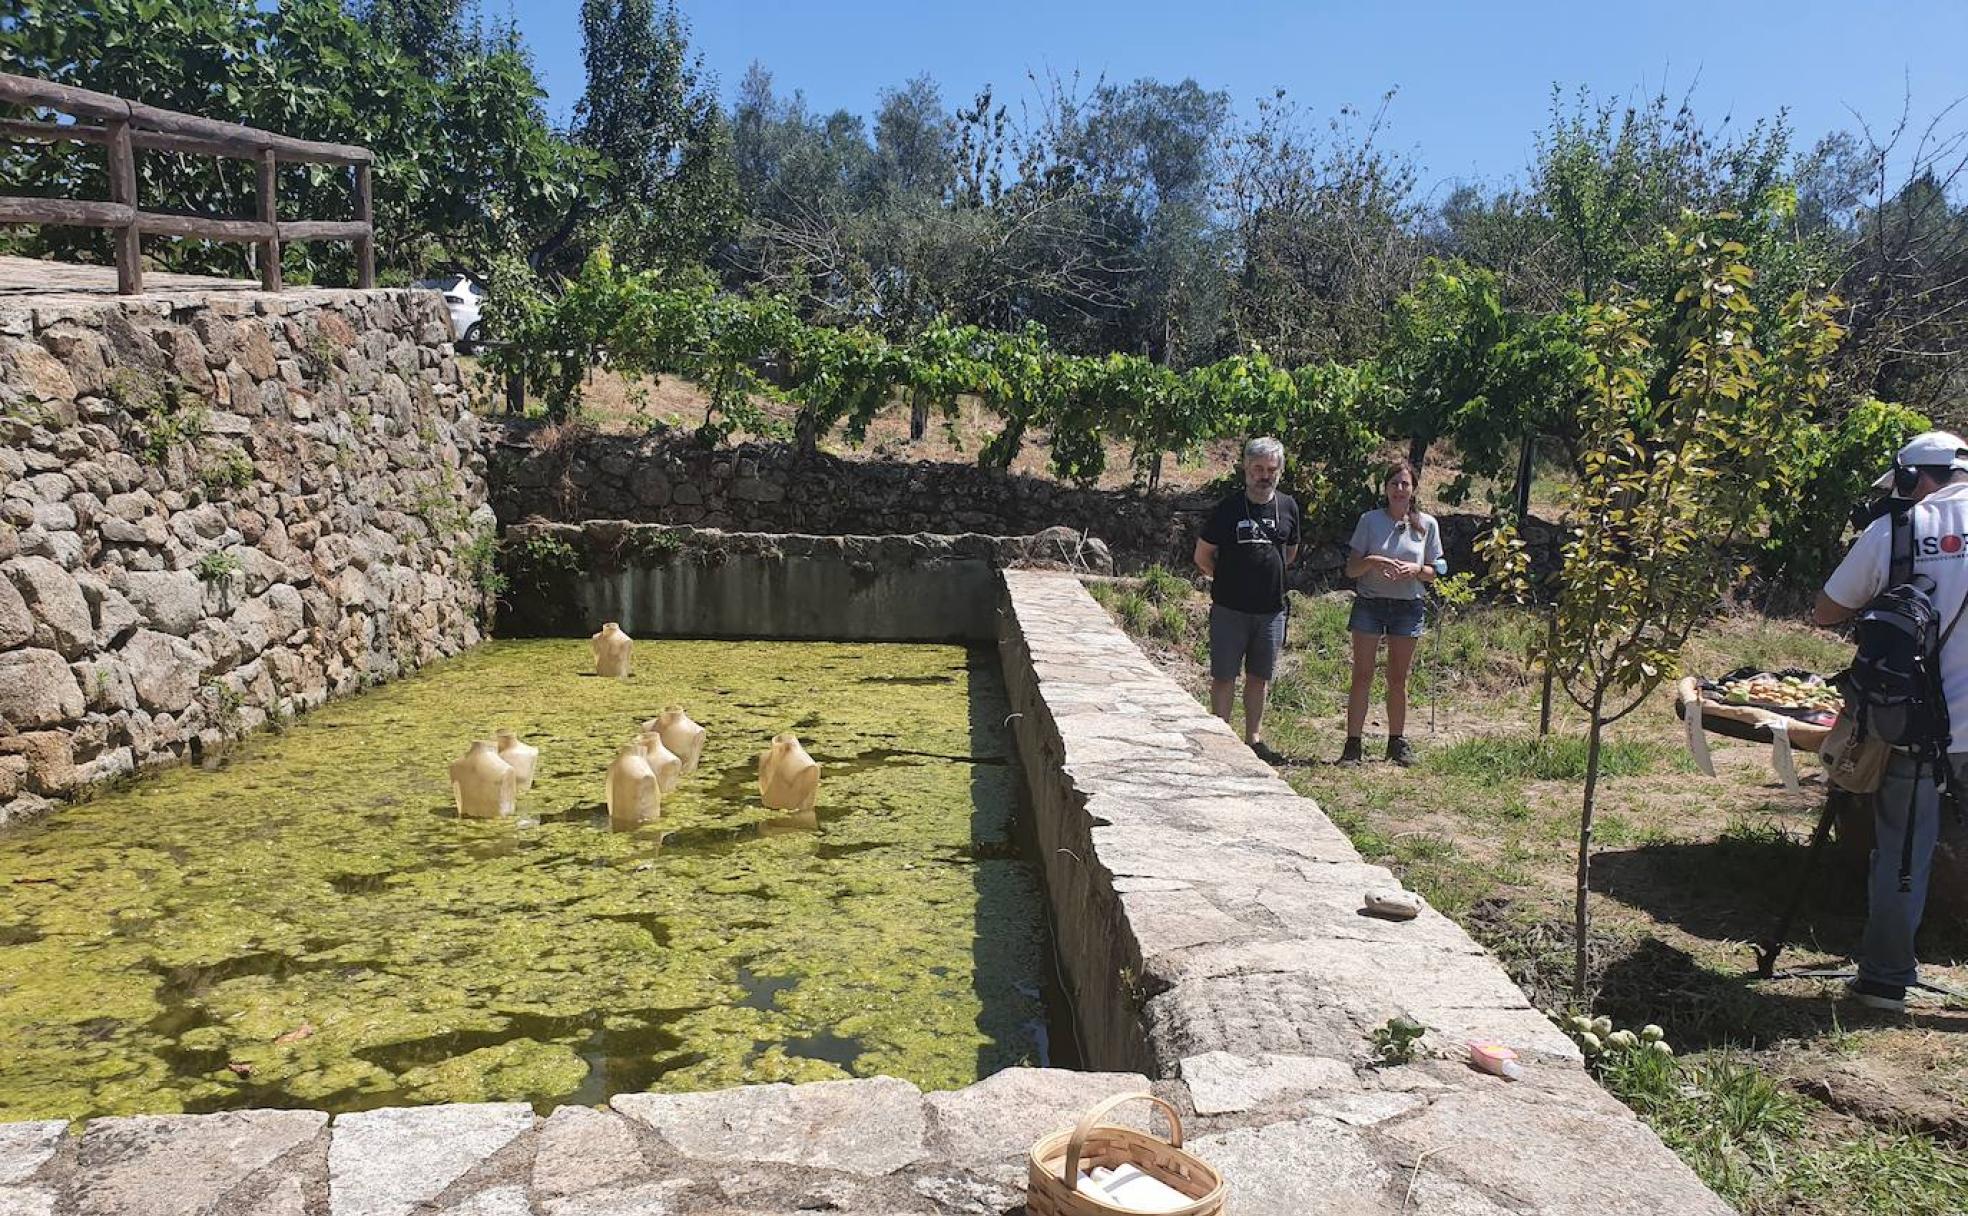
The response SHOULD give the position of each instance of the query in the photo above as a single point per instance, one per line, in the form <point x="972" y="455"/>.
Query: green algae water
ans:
<point x="306" y="923"/>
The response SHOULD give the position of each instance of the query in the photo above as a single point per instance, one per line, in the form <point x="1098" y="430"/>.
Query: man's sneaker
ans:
<point x="1350" y="754"/>
<point x="1265" y="753"/>
<point x="1400" y="751"/>
<point x="1874" y="995"/>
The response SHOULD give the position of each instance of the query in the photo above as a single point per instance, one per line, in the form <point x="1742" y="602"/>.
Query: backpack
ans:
<point x="1894" y="682"/>
<point x="1893" y="686"/>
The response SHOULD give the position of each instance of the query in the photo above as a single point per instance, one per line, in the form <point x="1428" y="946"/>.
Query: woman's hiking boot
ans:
<point x="1400" y="751"/>
<point x="1350" y="754"/>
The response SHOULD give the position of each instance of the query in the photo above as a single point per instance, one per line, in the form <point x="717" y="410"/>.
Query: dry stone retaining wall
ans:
<point x="216" y="507"/>
<point x="567" y="475"/>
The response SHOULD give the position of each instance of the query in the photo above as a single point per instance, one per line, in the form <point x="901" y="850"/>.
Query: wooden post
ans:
<point x="270" y="215"/>
<point x="365" y="246"/>
<point x="123" y="189"/>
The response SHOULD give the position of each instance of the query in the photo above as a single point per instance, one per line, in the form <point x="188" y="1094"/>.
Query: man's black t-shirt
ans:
<point x="1250" y="540"/>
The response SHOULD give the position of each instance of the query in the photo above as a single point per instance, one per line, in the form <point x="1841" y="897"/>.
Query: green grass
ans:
<point x="1552" y="758"/>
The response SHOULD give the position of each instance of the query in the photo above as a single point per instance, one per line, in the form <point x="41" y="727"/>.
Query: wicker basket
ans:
<point x="1051" y="1187"/>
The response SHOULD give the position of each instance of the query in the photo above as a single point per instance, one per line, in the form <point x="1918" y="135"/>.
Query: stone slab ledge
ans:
<point x="1211" y="932"/>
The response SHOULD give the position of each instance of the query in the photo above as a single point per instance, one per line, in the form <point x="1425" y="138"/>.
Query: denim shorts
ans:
<point x="1244" y="641"/>
<point x="1375" y="616"/>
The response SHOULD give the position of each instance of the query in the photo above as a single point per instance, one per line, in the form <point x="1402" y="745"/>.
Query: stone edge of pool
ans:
<point x="1207" y="927"/>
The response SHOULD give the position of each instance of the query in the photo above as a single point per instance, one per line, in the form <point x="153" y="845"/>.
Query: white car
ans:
<point x="465" y="299"/>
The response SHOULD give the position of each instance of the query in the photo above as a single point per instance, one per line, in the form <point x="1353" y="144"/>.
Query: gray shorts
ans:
<point x="1244" y="641"/>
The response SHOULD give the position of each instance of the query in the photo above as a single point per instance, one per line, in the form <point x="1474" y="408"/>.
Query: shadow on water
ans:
<point x="1025" y="1010"/>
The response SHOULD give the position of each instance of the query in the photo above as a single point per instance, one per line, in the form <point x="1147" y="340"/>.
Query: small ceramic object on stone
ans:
<point x="662" y="761"/>
<point x="1495" y="1059"/>
<point x="789" y="779"/>
<point x="1394" y="905"/>
<point x="523" y="759"/>
<point x="633" y="798"/>
<point x="680" y="735"/>
<point x="482" y="783"/>
<point x="612" y="649"/>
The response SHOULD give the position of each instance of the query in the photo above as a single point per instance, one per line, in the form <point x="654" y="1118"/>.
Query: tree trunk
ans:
<point x="1526" y="459"/>
<point x="1582" y="913"/>
<point x="1155" y="474"/>
<point x="1417" y="454"/>
<point x="918" y="417"/>
<point x="1544" y="695"/>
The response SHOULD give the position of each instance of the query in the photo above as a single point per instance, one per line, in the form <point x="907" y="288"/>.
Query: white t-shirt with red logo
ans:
<point x="1940" y="551"/>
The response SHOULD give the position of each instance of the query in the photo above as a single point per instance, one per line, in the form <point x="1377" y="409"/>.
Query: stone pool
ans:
<point x="305" y="923"/>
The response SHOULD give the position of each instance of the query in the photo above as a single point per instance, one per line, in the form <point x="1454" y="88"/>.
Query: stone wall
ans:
<point x="217" y="507"/>
<point x="568" y="475"/>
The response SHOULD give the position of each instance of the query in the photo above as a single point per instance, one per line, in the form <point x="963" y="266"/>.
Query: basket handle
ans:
<point x="1077" y="1141"/>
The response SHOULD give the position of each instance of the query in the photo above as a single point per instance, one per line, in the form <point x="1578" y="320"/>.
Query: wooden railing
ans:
<point x="127" y="127"/>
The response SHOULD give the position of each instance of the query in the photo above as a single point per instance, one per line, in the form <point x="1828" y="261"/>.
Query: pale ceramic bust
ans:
<point x="482" y="783"/>
<point x="789" y="779"/>
<point x="612" y="650"/>
<point x="680" y="735"/>
<point x="523" y="759"/>
<point x="632" y="794"/>
<point x="662" y="761"/>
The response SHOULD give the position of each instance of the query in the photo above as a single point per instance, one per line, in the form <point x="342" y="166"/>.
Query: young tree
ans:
<point x="1691" y="400"/>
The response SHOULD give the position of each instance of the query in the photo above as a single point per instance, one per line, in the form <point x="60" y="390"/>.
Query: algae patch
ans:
<point x="308" y="924"/>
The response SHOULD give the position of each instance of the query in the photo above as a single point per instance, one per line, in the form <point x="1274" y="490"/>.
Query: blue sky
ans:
<point x="1474" y="80"/>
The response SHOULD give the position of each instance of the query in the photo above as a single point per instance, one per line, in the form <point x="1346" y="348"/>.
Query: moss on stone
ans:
<point x="308" y="924"/>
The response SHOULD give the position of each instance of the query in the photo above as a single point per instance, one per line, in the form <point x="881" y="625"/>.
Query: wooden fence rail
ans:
<point x="127" y="127"/>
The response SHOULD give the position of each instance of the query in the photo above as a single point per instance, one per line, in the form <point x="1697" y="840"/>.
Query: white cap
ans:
<point x="1942" y="449"/>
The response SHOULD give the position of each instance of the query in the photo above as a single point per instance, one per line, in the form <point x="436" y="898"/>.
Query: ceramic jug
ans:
<point x="482" y="783"/>
<point x="611" y="650"/>
<point x="680" y="735"/>
<point x="632" y="794"/>
<point x="789" y="779"/>
<point x="662" y="761"/>
<point x="523" y="759"/>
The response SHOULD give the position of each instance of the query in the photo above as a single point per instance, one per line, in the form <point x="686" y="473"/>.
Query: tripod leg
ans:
<point x="1766" y="955"/>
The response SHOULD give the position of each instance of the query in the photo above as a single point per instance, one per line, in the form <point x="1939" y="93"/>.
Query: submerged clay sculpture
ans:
<point x="482" y="783"/>
<point x="662" y="761"/>
<point x="611" y="650"/>
<point x="523" y="759"/>
<point x="680" y="735"/>
<point x="789" y="779"/>
<point x="632" y="794"/>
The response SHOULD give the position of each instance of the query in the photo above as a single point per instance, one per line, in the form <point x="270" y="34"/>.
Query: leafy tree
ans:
<point x="1323" y="233"/>
<point x="1692" y="402"/>
<point x="652" y="117"/>
<point x="1832" y="467"/>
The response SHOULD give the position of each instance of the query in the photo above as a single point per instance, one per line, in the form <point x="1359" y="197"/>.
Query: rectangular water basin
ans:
<point x="305" y="922"/>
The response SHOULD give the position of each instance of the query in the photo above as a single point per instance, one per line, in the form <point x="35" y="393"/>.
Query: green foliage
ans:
<point x="535" y="561"/>
<point x="1546" y="758"/>
<point x="231" y="469"/>
<point x="218" y="566"/>
<point x="1832" y="468"/>
<point x="1396" y="1040"/>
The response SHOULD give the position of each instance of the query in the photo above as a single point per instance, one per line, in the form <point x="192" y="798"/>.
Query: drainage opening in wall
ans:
<point x="306" y="923"/>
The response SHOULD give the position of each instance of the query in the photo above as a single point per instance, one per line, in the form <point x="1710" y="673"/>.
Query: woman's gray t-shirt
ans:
<point x="1380" y="534"/>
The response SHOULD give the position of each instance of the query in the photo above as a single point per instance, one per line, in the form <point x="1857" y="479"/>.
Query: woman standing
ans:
<point x="1395" y="552"/>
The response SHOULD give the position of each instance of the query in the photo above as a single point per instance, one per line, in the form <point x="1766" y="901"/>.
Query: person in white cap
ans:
<point x="1932" y="473"/>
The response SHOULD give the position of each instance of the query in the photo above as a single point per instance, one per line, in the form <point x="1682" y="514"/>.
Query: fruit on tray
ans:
<point x="1783" y="692"/>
